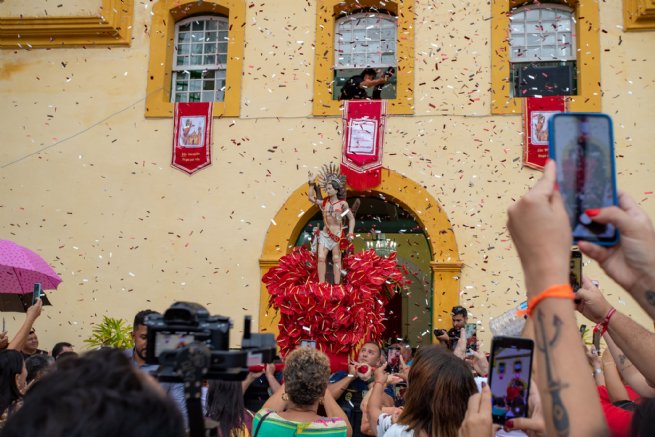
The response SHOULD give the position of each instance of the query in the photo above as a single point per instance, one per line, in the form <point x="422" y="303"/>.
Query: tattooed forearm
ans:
<point x="559" y="413"/>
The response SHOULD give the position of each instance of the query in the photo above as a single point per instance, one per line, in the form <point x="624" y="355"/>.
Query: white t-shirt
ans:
<point x="386" y="428"/>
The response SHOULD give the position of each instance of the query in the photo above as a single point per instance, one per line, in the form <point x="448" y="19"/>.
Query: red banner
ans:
<point x="363" y="140"/>
<point x="192" y="136"/>
<point x="536" y="113"/>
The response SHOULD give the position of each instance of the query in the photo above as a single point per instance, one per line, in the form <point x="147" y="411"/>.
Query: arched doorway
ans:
<point x="395" y="189"/>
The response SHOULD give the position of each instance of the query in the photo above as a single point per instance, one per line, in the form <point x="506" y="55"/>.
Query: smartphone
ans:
<point x="596" y="340"/>
<point x="471" y="330"/>
<point x="438" y="332"/>
<point x="509" y="377"/>
<point x="575" y="270"/>
<point x="582" y="144"/>
<point x="308" y="343"/>
<point x="393" y="360"/>
<point x="37" y="292"/>
<point x="583" y="329"/>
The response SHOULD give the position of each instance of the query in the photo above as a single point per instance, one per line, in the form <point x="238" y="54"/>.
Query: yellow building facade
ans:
<point x="86" y="181"/>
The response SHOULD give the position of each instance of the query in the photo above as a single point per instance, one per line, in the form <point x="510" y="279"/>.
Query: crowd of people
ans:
<point x="390" y="390"/>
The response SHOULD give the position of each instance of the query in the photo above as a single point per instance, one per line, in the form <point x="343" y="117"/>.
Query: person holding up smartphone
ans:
<point x="540" y="230"/>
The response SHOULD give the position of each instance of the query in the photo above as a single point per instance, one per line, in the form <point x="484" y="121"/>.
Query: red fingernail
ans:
<point x="509" y="423"/>
<point x="592" y="212"/>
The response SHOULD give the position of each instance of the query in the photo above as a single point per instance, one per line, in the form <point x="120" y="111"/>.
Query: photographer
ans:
<point x="137" y="356"/>
<point x="459" y="316"/>
<point x="355" y="87"/>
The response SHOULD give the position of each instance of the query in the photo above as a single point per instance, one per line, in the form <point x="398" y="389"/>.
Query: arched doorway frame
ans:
<point x="445" y="264"/>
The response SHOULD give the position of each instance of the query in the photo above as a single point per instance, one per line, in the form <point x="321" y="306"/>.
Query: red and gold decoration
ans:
<point x="192" y="136"/>
<point x="363" y="141"/>
<point x="338" y="317"/>
<point x="536" y="113"/>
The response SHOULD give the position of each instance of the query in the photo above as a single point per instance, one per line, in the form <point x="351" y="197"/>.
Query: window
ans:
<point x="200" y="60"/>
<point x="361" y="40"/>
<point x="545" y="49"/>
<point x="349" y="34"/>
<point x="196" y="54"/>
<point x="542" y="51"/>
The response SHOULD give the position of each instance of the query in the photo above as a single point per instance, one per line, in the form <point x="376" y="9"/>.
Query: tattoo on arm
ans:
<point x="622" y="360"/>
<point x="554" y="385"/>
<point x="650" y="297"/>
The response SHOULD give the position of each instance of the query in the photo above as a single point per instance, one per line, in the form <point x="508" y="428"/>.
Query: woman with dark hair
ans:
<point x="439" y="387"/>
<point x="225" y="405"/>
<point x="13" y="376"/>
<point x="293" y="409"/>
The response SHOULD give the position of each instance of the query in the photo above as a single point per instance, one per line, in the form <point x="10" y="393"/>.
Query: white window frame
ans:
<point x="219" y="68"/>
<point x="556" y="33"/>
<point x="339" y="42"/>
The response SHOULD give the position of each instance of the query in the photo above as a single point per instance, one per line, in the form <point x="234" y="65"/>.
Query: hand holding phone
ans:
<point x="36" y="293"/>
<point x="393" y="360"/>
<point x="509" y="377"/>
<point x="471" y="330"/>
<point x="575" y="271"/>
<point x="582" y="144"/>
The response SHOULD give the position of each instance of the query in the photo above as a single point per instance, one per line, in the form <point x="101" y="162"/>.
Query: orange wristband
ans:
<point x="562" y="291"/>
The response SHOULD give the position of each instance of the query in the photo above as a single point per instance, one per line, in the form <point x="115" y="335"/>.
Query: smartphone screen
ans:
<point x="36" y="294"/>
<point x="509" y="377"/>
<point x="575" y="271"/>
<point x="308" y="343"/>
<point x="393" y="360"/>
<point x="583" y="147"/>
<point x="471" y="330"/>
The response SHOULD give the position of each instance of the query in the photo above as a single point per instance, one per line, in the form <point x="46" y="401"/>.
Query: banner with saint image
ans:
<point x="192" y="136"/>
<point x="363" y="141"/>
<point x="536" y="113"/>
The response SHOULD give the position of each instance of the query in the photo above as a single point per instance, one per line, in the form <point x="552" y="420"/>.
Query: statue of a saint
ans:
<point x="334" y="209"/>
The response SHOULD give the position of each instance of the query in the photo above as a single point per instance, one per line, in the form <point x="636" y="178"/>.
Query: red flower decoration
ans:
<point x="338" y="317"/>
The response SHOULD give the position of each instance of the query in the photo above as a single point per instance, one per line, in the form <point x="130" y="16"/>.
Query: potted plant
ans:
<point x="111" y="333"/>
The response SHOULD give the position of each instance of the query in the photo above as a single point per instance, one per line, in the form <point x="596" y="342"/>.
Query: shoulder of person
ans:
<point x="337" y="376"/>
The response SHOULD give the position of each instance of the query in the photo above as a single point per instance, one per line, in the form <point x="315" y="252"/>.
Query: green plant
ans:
<point x="111" y="332"/>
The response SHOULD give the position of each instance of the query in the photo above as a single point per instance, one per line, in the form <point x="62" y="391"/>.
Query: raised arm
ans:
<point x="276" y="402"/>
<point x="375" y="402"/>
<point x="311" y="190"/>
<point x="337" y="388"/>
<point x="634" y="340"/>
<point x="542" y="235"/>
<point x="631" y="375"/>
<point x="33" y="313"/>
<point x="332" y="409"/>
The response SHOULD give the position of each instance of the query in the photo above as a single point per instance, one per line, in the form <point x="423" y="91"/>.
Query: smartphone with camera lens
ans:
<point x="308" y="343"/>
<point x="582" y="144"/>
<point x="509" y="377"/>
<point x="575" y="270"/>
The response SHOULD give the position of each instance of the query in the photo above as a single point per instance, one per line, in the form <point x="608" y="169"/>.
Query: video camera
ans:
<point x="190" y="345"/>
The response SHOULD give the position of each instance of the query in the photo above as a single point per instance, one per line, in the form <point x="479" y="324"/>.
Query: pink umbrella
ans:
<point x="20" y="269"/>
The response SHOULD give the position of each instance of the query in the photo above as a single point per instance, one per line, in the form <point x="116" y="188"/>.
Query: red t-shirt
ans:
<point x="618" y="419"/>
